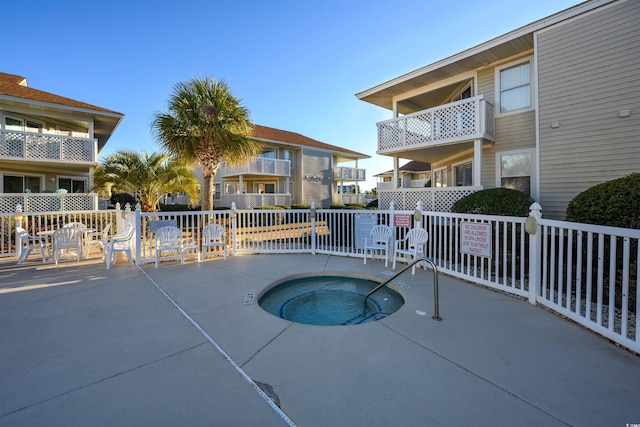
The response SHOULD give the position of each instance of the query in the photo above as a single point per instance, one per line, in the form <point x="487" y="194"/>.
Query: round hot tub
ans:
<point x="325" y="300"/>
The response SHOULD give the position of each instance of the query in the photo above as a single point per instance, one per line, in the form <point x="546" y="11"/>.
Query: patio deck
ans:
<point x="82" y="345"/>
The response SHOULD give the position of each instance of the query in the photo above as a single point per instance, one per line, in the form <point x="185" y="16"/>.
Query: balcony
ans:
<point x="257" y="166"/>
<point x="466" y="120"/>
<point x="437" y="199"/>
<point x="18" y="145"/>
<point x="343" y="173"/>
<point x="349" y="199"/>
<point x="47" y="202"/>
<point x="252" y="200"/>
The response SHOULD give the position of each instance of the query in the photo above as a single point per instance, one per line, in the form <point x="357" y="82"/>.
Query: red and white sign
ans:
<point x="475" y="239"/>
<point x="402" y="220"/>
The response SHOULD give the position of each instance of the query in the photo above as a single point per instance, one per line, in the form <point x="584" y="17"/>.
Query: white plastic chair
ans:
<point x="379" y="240"/>
<point x="99" y="239"/>
<point x="169" y="239"/>
<point x="411" y="247"/>
<point x="28" y="244"/>
<point x="213" y="235"/>
<point x="64" y="241"/>
<point x="120" y="243"/>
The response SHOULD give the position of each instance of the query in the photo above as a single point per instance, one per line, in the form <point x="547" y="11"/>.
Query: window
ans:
<point x="514" y="85"/>
<point x="288" y="155"/>
<point x="515" y="170"/>
<point x="269" y="154"/>
<point x="292" y="188"/>
<point x="72" y="185"/>
<point x="463" y="174"/>
<point x="440" y="177"/>
<point x="21" y="184"/>
<point x="264" y="187"/>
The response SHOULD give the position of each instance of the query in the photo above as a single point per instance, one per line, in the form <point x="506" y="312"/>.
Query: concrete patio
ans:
<point x="82" y="345"/>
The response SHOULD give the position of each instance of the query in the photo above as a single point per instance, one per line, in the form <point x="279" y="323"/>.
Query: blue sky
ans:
<point x="295" y="64"/>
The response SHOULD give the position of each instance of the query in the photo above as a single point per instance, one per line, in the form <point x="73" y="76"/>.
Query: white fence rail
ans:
<point x="584" y="272"/>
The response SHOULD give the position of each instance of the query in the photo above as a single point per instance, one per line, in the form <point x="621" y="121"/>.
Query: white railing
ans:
<point x="18" y="145"/>
<point x="349" y="199"/>
<point x="433" y="198"/>
<point x="349" y="174"/>
<point x="253" y="200"/>
<point x="464" y="120"/>
<point x="46" y="202"/>
<point x="259" y="166"/>
<point x="585" y="272"/>
<point x="384" y="185"/>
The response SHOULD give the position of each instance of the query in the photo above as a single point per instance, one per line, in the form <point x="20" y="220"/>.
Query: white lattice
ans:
<point x="419" y="129"/>
<point x="39" y="147"/>
<point x="77" y="150"/>
<point x="390" y="135"/>
<point x="455" y="121"/>
<point x="11" y="144"/>
<point x="433" y="199"/>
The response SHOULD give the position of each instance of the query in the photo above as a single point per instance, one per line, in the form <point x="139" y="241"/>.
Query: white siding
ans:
<point x="316" y="163"/>
<point x="589" y="70"/>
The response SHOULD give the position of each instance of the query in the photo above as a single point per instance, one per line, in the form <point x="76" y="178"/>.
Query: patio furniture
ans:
<point x="28" y="243"/>
<point x="379" y="240"/>
<point x="99" y="239"/>
<point x="169" y="239"/>
<point x="411" y="247"/>
<point x="120" y="243"/>
<point x="213" y="235"/>
<point x="77" y="225"/>
<point x="66" y="240"/>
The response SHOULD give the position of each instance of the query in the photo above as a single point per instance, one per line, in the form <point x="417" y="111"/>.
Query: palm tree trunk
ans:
<point x="208" y="175"/>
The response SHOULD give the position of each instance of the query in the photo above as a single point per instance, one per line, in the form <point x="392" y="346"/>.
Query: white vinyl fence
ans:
<point x="585" y="272"/>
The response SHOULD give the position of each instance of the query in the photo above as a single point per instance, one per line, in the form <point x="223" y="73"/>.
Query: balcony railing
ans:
<point x="414" y="183"/>
<point x="349" y="199"/>
<point x="459" y="121"/>
<point x="252" y="200"/>
<point x="17" y="145"/>
<point x="257" y="166"/>
<point x="437" y="199"/>
<point x="349" y="174"/>
<point x="47" y="202"/>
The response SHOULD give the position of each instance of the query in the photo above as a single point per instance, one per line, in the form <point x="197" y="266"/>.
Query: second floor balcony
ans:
<point x="257" y="166"/>
<point x="18" y="145"/>
<point x="343" y="173"/>
<point x="459" y="121"/>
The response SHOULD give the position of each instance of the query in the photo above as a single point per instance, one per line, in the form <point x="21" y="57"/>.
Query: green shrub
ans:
<point x="494" y="201"/>
<point x="615" y="203"/>
<point x="372" y="204"/>
<point x="123" y="198"/>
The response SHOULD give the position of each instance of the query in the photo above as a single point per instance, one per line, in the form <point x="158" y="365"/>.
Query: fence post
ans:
<point x="234" y="235"/>
<point x="312" y="215"/>
<point x="532" y="227"/>
<point x="18" y="217"/>
<point x="137" y="226"/>
<point x="119" y="219"/>
<point x="417" y="215"/>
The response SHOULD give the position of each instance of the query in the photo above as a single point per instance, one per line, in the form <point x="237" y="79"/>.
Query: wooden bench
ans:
<point x="281" y="231"/>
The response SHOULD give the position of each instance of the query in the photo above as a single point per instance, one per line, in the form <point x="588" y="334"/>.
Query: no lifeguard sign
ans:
<point x="475" y="239"/>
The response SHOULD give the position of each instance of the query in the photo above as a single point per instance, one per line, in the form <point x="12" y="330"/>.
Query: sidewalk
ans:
<point x="82" y="345"/>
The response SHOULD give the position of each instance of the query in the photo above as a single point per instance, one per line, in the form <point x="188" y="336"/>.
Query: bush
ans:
<point x="494" y="201"/>
<point x="123" y="198"/>
<point x="372" y="204"/>
<point x="615" y="203"/>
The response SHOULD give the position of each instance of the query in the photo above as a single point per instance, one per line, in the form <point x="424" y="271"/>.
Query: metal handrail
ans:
<point x="436" y="303"/>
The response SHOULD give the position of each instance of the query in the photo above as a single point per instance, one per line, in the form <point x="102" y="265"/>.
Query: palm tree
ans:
<point x="206" y="124"/>
<point x="149" y="176"/>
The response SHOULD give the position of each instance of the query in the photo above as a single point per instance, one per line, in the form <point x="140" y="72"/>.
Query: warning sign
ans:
<point x="402" y="220"/>
<point x="475" y="239"/>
